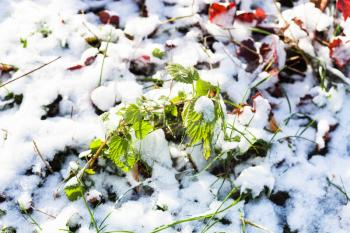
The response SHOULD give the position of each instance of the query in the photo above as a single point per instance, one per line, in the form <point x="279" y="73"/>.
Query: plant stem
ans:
<point x="30" y="72"/>
<point x="42" y="158"/>
<point x="104" y="58"/>
<point x="200" y="217"/>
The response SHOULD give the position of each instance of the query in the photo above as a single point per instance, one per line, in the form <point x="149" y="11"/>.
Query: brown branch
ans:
<point x="92" y="161"/>
<point x="36" y="149"/>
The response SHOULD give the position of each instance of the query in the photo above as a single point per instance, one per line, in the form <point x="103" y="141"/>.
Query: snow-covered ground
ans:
<point x="50" y="116"/>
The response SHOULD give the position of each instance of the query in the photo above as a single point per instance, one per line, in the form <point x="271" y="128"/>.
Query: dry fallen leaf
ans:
<point x="273" y="126"/>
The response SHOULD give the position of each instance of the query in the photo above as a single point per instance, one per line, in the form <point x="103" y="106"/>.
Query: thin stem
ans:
<point x="36" y="149"/>
<point x="196" y="218"/>
<point x="104" y="58"/>
<point x="30" y="72"/>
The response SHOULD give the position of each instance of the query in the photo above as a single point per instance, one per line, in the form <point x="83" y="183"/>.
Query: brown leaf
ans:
<point x="6" y="68"/>
<point x="273" y="126"/>
<point x="249" y="53"/>
<point x="321" y="4"/>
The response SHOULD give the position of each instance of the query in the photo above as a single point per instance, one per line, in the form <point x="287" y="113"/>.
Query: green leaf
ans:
<point x="95" y="144"/>
<point x="181" y="97"/>
<point x="197" y="129"/>
<point x="24" y="42"/>
<point x="104" y="116"/>
<point x="182" y="74"/>
<point x="122" y="153"/>
<point x="171" y="110"/>
<point x="90" y="171"/>
<point x="142" y="128"/>
<point x="73" y="189"/>
<point x="132" y="114"/>
<point x="5" y="229"/>
<point x="2" y="213"/>
<point x="203" y="88"/>
<point x="206" y="148"/>
<point x="158" y="53"/>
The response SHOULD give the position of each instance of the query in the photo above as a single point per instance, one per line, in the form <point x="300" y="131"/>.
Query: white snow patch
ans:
<point x="205" y="106"/>
<point x="255" y="179"/>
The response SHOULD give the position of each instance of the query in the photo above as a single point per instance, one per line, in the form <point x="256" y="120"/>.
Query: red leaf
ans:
<point x="89" y="60"/>
<point x="334" y="44"/>
<point x="76" y="67"/>
<point x="114" y="20"/>
<point x="145" y="58"/>
<point x="344" y="7"/>
<point x="260" y="14"/>
<point x="248" y="17"/>
<point x="104" y="16"/>
<point x="107" y="18"/>
<point x="338" y="56"/>
<point x="217" y="9"/>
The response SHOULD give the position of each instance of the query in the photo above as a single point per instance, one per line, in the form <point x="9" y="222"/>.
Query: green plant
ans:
<point x="24" y="42"/>
<point x="27" y="216"/>
<point x="183" y="116"/>
<point x="158" y="53"/>
<point x="8" y="230"/>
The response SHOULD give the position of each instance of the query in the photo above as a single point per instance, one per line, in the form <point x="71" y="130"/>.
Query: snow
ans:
<point x="149" y="24"/>
<point x="205" y="106"/>
<point x="93" y="196"/>
<point x="154" y="148"/>
<point x="103" y="97"/>
<point x="128" y="91"/>
<point x="313" y="18"/>
<point x="255" y="179"/>
<point x="322" y="130"/>
<point x="25" y="201"/>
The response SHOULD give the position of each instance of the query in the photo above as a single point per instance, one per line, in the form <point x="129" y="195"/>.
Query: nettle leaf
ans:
<point x="142" y="128"/>
<point x="73" y="189"/>
<point x="206" y="148"/>
<point x="95" y="144"/>
<point x="181" y="97"/>
<point x="121" y="152"/>
<point x="197" y="129"/>
<point x="132" y="114"/>
<point x="105" y="116"/>
<point x="90" y="171"/>
<point x="182" y="74"/>
<point x="171" y="110"/>
<point x="204" y="88"/>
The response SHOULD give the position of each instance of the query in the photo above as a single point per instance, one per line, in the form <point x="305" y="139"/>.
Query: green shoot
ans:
<point x="24" y="42"/>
